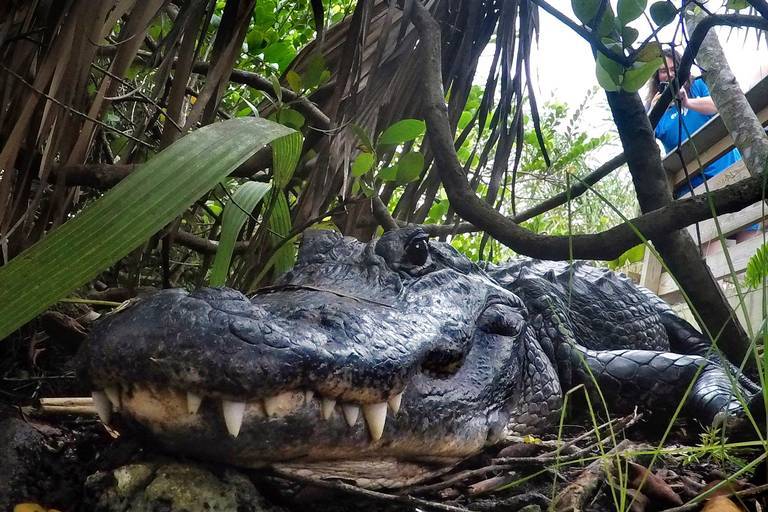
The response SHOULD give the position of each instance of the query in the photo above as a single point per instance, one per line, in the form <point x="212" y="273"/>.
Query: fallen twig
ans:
<point x="359" y="491"/>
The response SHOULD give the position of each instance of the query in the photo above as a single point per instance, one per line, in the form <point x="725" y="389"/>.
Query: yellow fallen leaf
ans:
<point x="28" y="507"/>
<point x="721" y="504"/>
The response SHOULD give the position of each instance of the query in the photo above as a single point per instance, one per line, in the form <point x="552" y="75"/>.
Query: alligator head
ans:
<point x="397" y="350"/>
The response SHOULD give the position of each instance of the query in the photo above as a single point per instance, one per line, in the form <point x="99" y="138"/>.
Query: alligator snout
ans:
<point x="274" y="356"/>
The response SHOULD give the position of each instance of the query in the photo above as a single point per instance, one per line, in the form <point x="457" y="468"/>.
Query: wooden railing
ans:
<point x="712" y="141"/>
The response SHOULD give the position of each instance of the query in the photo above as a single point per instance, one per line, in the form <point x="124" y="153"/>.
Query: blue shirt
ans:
<point x="669" y="132"/>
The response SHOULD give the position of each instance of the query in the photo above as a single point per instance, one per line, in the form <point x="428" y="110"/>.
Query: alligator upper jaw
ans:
<point x="296" y="432"/>
<point x="164" y="408"/>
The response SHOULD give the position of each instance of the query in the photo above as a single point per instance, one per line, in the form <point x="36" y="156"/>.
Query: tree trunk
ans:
<point x="677" y="248"/>
<point x="738" y="117"/>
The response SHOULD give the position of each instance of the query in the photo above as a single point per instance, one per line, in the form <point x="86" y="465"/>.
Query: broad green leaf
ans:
<point x="264" y="14"/>
<point x="409" y="167"/>
<point x="633" y="255"/>
<point x="126" y="216"/>
<point x="438" y="211"/>
<point x="607" y="25"/>
<point x="585" y="10"/>
<point x="663" y="13"/>
<point x="639" y="73"/>
<point x="236" y="212"/>
<point x="609" y="73"/>
<point x="294" y="80"/>
<point x="365" y="141"/>
<point x="629" y="10"/>
<point x="402" y="131"/>
<point x="649" y="52"/>
<point x="628" y="36"/>
<point x="286" y="152"/>
<point x="291" y="118"/>
<point x="280" y="53"/>
<point x="388" y="173"/>
<point x="362" y="164"/>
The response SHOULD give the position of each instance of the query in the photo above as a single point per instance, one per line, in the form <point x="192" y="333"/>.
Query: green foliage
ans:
<point x="585" y="10"/>
<point x="609" y="73"/>
<point x="757" y="268"/>
<point x="630" y="10"/>
<point x="633" y="255"/>
<point x="640" y="72"/>
<point x="663" y="13"/>
<point x="236" y="212"/>
<point x="408" y="166"/>
<point x="126" y="216"/>
<point x="572" y="151"/>
<point x="402" y="131"/>
<point x="363" y="163"/>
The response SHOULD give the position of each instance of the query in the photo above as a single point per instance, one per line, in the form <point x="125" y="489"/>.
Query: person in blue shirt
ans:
<point x="696" y="107"/>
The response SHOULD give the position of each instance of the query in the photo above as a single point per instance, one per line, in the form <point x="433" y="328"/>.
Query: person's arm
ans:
<point x="703" y="105"/>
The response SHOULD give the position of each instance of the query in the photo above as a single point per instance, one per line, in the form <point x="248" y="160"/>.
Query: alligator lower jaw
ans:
<point x="385" y="473"/>
<point x="299" y="430"/>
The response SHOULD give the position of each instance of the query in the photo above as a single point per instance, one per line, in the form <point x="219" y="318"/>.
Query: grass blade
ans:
<point x="236" y="212"/>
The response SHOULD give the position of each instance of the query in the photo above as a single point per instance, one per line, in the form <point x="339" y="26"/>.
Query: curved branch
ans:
<point x="302" y="104"/>
<point x="602" y="246"/>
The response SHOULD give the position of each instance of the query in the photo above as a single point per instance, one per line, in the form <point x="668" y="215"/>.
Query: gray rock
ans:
<point x="155" y="487"/>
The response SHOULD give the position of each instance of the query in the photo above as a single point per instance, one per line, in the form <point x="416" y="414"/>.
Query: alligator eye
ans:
<point x="417" y="251"/>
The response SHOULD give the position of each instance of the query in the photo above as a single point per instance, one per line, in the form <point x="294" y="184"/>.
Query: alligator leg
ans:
<point x="657" y="381"/>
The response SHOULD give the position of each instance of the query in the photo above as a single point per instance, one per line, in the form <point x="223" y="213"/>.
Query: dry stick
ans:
<point x="353" y="489"/>
<point x="621" y="424"/>
<point x="457" y="478"/>
<point x="66" y="401"/>
<point x="78" y="410"/>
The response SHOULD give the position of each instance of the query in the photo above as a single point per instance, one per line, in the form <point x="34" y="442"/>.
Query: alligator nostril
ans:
<point x="442" y="362"/>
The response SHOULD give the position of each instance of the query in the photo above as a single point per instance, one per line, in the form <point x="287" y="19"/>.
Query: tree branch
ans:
<point x="301" y="103"/>
<point x="606" y="245"/>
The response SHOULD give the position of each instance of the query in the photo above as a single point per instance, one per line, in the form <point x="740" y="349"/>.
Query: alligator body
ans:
<point x="385" y="358"/>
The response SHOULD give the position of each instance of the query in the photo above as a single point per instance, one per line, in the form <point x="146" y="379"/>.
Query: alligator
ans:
<point x="443" y="356"/>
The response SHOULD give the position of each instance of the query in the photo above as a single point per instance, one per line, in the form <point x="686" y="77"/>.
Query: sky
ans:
<point x="572" y="58"/>
<point x="565" y="70"/>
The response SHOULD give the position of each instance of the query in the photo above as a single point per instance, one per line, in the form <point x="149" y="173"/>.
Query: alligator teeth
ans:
<point x="308" y="395"/>
<point x="274" y="404"/>
<point x="233" y="415"/>
<point x="113" y="393"/>
<point x="102" y="404"/>
<point x="375" y="416"/>
<point x="327" y="407"/>
<point x="193" y="402"/>
<point x="394" y="402"/>
<point x="351" y="412"/>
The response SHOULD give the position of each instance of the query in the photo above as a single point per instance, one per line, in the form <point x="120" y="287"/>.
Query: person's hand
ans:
<point x="683" y="96"/>
<point x="655" y="99"/>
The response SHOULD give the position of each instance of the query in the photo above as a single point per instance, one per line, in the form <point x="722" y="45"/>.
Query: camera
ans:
<point x="663" y="87"/>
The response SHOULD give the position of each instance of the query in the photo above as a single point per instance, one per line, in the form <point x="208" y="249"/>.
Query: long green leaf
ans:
<point x="280" y="224"/>
<point x="286" y="151"/>
<point x="121" y="220"/>
<point x="236" y="212"/>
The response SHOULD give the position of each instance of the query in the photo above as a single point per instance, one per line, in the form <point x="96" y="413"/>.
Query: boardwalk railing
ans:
<point x="710" y="142"/>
